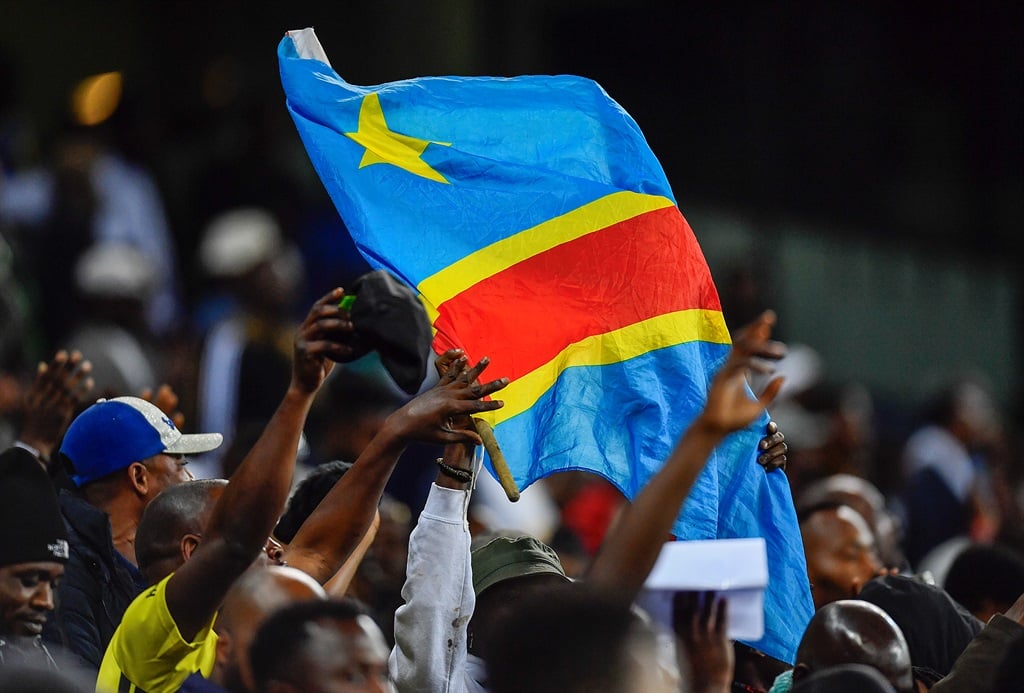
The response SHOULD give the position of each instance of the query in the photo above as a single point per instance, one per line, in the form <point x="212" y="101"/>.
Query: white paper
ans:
<point x="737" y="569"/>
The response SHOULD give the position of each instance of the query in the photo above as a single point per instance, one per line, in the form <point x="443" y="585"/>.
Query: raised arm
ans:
<point x="633" y="543"/>
<point x="244" y="515"/>
<point x="431" y="643"/>
<point x="331" y="533"/>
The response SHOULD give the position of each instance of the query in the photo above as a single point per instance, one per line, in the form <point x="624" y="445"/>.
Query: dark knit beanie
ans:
<point x="31" y="526"/>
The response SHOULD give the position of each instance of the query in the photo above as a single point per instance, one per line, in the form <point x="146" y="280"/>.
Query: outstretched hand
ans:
<point x="60" y="387"/>
<point x="166" y="400"/>
<point x="322" y="339"/>
<point x="439" y="414"/>
<point x="729" y="406"/>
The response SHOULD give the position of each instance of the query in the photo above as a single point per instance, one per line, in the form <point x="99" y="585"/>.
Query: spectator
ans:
<point x="986" y="579"/>
<point x="166" y="634"/>
<point x="32" y="562"/>
<point x="864" y="497"/>
<point x="123" y="453"/>
<point x="936" y="628"/>
<point x="113" y="282"/>
<point x="574" y="641"/>
<point x="992" y="660"/>
<point x="318" y="647"/>
<point x="245" y="251"/>
<point x="254" y="597"/>
<point x="840" y="552"/>
<point x="944" y="470"/>
<point x="855" y="632"/>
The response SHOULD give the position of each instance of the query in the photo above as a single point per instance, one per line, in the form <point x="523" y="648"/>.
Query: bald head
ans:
<point x="855" y="632"/>
<point x="258" y="593"/>
<point x="176" y="512"/>
<point x="840" y="551"/>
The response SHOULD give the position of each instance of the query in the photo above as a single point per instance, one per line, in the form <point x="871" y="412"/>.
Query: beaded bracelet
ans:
<point x="463" y="475"/>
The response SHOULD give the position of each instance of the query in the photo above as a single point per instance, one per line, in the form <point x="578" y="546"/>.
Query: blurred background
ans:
<point x="857" y="166"/>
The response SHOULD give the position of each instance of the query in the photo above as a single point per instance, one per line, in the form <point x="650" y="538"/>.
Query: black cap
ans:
<point x="31" y="526"/>
<point x="389" y="318"/>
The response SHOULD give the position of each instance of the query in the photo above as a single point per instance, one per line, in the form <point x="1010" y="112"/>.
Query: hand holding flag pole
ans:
<point x="446" y="367"/>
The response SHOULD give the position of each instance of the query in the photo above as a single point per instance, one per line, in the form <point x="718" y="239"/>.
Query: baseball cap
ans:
<point x="111" y="434"/>
<point x="504" y="557"/>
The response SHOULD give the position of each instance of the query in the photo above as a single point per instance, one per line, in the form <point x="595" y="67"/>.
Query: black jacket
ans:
<point x="97" y="586"/>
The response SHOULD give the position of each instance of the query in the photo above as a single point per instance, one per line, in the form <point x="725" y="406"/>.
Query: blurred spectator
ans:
<point x="570" y="639"/>
<point x="986" y="579"/>
<point x="864" y="497"/>
<point x="89" y="192"/>
<point x="114" y="282"/>
<point x="946" y="492"/>
<point x="251" y="340"/>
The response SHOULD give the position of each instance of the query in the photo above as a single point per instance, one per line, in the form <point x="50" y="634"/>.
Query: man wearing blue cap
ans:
<point x="123" y="452"/>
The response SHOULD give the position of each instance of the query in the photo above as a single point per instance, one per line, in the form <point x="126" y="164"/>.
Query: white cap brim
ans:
<point x="195" y="443"/>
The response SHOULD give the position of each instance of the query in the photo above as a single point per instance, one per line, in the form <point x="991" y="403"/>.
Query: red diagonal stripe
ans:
<point x="523" y="316"/>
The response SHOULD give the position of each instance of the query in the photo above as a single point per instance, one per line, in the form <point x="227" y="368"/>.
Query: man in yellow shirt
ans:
<point x="167" y="632"/>
<point x="197" y="541"/>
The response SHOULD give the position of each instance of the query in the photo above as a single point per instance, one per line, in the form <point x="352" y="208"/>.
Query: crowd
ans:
<point x="326" y="527"/>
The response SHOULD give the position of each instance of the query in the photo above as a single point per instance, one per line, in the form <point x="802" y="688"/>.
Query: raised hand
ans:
<point x="700" y="621"/>
<point x="440" y="415"/>
<point x="166" y="400"/>
<point x="60" y="387"/>
<point x="322" y="339"/>
<point x="729" y="406"/>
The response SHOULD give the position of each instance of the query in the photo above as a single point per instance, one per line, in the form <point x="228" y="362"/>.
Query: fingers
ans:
<point x="67" y="375"/>
<point x="721" y="616"/>
<point x="473" y="373"/>
<point x="771" y="390"/>
<point x="335" y="351"/>
<point x="474" y="406"/>
<point x="706" y="610"/>
<point x="445" y="361"/>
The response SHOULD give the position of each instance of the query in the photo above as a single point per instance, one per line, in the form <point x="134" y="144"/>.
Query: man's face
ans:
<point x="840" y="554"/>
<point x="166" y="471"/>
<point x="346" y="657"/>
<point x="26" y="596"/>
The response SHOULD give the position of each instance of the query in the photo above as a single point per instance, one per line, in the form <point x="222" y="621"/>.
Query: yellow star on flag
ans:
<point x="385" y="146"/>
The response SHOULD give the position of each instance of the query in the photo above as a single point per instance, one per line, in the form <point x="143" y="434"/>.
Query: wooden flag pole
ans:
<point x="486" y="433"/>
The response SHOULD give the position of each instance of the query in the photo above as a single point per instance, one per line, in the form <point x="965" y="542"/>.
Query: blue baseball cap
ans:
<point x="112" y="434"/>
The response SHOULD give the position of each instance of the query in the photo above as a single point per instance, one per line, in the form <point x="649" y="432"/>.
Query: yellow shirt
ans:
<point x="147" y="653"/>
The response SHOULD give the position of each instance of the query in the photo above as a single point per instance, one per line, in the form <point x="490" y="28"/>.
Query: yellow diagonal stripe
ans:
<point x="593" y="216"/>
<point x="618" y="345"/>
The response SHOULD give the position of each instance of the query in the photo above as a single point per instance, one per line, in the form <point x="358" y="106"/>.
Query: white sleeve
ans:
<point x="430" y="627"/>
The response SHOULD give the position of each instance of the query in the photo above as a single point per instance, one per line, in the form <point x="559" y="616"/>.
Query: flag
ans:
<point x="540" y="230"/>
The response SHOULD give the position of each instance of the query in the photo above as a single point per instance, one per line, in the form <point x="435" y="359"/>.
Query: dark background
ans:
<point x="892" y="126"/>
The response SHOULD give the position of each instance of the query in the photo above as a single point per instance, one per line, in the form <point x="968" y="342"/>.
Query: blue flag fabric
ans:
<point x="540" y="230"/>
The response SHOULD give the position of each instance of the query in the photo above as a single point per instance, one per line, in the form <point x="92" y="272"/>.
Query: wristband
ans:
<point x="463" y="475"/>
